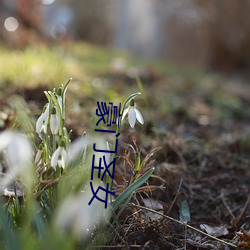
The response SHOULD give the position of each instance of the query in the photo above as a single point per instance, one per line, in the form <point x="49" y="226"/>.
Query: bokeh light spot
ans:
<point x="47" y="2"/>
<point x="11" y="24"/>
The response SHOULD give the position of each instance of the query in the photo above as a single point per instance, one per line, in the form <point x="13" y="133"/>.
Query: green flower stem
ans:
<point x="65" y="87"/>
<point x="54" y="142"/>
<point x="47" y="137"/>
<point x="66" y="137"/>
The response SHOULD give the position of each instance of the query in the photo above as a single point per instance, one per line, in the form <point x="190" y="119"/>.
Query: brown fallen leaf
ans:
<point x="245" y="236"/>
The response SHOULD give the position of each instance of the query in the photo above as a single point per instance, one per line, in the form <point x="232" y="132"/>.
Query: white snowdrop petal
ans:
<point x="64" y="154"/>
<point x="46" y="113"/>
<point x="75" y="216"/>
<point x="132" y="117"/>
<point x="39" y="123"/>
<point x="18" y="156"/>
<point x="44" y="127"/>
<point x="139" y="116"/>
<point x="63" y="158"/>
<point x="54" y="124"/>
<point x="59" y="99"/>
<point x="5" y="138"/>
<point x="55" y="156"/>
<point x="124" y="113"/>
<point x="19" y="151"/>
<point x="61" y="163"/>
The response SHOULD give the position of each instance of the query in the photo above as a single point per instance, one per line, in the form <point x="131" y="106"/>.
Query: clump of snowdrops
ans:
<point x="48" y="177"/>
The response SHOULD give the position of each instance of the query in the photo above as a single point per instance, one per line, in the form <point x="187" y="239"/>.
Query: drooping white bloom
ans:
<point x="75" y="216"/>
<point x="17" y="152"/>
<point x="133" y="114"/>
<point x="59" y="99"/>
<point x="59" y="157"/>
<point x="54" y="121"/>
<point x="42" y="122"/>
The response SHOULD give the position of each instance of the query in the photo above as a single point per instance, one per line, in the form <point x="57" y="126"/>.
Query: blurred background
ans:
<point x="193" y="60"/>
<point x="211" y="34"/>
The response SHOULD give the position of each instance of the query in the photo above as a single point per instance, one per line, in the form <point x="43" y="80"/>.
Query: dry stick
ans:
<point x="185" y="242"/>
<point x="117" y="246"/>
<point x="48" y="185"/>
<point x="227" y="207"/>
<point x="183" y="224"/>
<point x="175" y="198"/>
<point x="237" y="220"/>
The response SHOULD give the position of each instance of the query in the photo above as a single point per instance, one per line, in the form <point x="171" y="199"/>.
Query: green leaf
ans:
<point x="129" y="190"/>
<point x="122" y="209"/>
<point x="138" y="163"/>
<point x="184" y="212"/>
<point x="65" y="87"/>
<point x="10" y="236"/>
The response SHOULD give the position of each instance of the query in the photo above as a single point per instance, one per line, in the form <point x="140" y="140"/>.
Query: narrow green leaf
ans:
<point x="122" y="209"/>
<point x="65" y="87"/>
<point x="138" y="163"/>
<point x="129" y="190"/>
<point x="139" y="84"/>
<point x="10" y="236"/>
<point x="39" y="222"/>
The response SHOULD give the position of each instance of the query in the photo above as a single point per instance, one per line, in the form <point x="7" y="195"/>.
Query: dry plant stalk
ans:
<point x="184" y="224"/>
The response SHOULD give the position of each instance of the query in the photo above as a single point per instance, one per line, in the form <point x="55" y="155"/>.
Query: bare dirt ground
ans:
<point x="200" y="136"/>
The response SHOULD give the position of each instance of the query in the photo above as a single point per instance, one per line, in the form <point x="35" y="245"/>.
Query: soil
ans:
<point x="202" y="173"/>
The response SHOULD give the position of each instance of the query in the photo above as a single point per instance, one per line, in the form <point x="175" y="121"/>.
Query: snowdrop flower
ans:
<point x="59" y="157"/>
<point x="75" y="216"/>
<point x="42" y="122"/>
<point x="54" y="121"/>
<point x="133" y="114"/>
<point x="17" y="152"/>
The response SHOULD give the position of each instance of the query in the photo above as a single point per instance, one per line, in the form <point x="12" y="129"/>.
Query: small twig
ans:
<point x="57" y="180"/>
<point x="48" y="185"/>
<point x="148" y="188"/>
<point x="227" y="207"/>
<point x="175" y="198"/>
<point x="117" y="246"/>
<point x="117" y="233"/>
<point x="239" y="217"/>
<point x="185" y="242"/>
<point x="183" y="224"/>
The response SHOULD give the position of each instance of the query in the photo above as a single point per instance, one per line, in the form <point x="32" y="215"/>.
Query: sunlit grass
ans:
<point x="180" y="98"/>
<point x="38" y="65"/>
<point x="41" y="64"/>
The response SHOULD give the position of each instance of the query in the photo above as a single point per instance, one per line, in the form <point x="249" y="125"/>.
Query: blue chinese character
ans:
<point x="107" y="151"/>
<point x="111" y="113"/>
<point x="94" y="167"/>
<point x="103" y="111"/>
<point x="103" y="189"/>
<point x="107" y="166"/>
